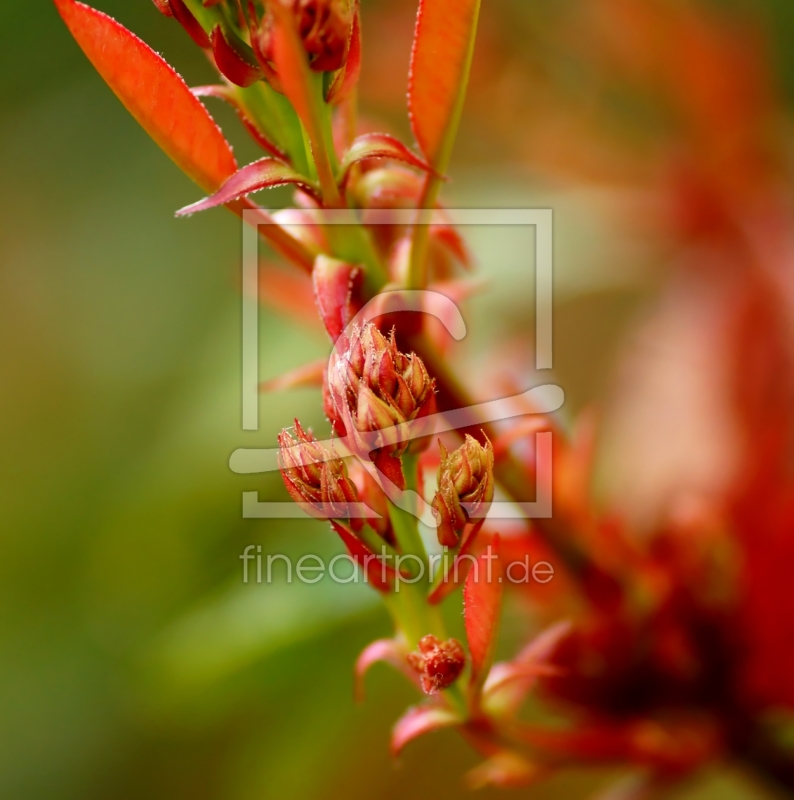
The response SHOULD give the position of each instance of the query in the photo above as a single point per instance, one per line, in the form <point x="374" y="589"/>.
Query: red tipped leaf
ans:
<point x="379" y="145"/>
<point x="336" y="292"/>
<point x="378" y="573"/>
<point x="440" y="63"/>
<point x="346" y="79"/>
<point x="418" y="721"/>
<point x="263" y="174"/>
<point x="388" y="651"/>
<point x="482" y="599"/>
<point x="232" y="59"/>
<point x="153" y="93"/>
<point x="227" y="94"/>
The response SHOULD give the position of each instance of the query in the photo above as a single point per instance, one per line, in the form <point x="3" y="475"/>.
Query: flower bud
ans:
<point x="465" y="488"/>
<point x="324" y="28"/>
<point x="313" y="476"/>
<point x="438" y="663"/>
<point x="373" y="388"/>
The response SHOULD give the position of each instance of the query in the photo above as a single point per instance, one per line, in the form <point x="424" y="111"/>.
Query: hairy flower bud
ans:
<point x="324" y="28"/>
<point x="438" y="663"/>
<point x="312" y="475"/>
<point x="465" y="488"/>
<point x="373" y="388"/>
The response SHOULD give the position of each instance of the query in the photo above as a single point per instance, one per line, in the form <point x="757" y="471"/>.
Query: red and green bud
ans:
<point x="465" y="488"/>
<point x="438" y="664"/>
<point x="313" y="476"/>
<point x="375" y="389"/>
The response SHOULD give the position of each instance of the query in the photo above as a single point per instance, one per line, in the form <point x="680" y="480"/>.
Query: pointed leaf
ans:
<point x="459" y="565"/>
<point x="227" y="94"/>
<point x="378" y="573"/>
<point x="482" y="598"/>
<point x="263" y="174"/>
<point x="336" y="289"/>
<point x="440" y="63"/>
<point x="419" y="720"/>
<point x="153" y="93"/>
<point x="232" y="59"/>
<point x="347" y="77"/>
<point x="185" y="17"/>
<point x="379" y="145"/>
<point x="389" y="651"/>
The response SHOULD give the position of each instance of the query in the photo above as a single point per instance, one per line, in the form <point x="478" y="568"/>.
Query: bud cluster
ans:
<point x="314" y="476"/>
<point x="242" y="39"/>
<point x="373" y="388"/>
<point x="465" y="488"/>
<point x="439" y="664"/>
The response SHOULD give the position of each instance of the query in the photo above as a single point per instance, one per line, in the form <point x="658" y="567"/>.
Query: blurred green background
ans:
<point x="133" y="662"/>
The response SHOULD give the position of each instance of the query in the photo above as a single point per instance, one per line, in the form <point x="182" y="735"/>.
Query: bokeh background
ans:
<point x="133" y="661"/>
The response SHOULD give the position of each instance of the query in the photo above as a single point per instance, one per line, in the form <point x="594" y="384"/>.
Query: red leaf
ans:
<point x="482" y="599"/>
<point x="379" y="574"/>
<point x="185" y="17"/>
<point x="389" y="651"/>
<point x="231" y="60"/>
<point x="153" y="93"/>
<point x="164" y="7"/>
<point x="263" y="174"/>
<point x="379" y="145"/>
<point x="419" y="720"/>
<point x="336" y="289"/>
<point x="347" y="77"/>
<point x="446" y="582"/>
<point x="440" y="60"/>
<point x="227" y="94"/>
